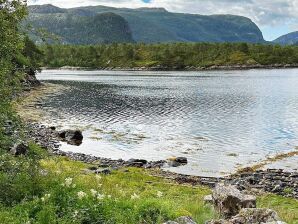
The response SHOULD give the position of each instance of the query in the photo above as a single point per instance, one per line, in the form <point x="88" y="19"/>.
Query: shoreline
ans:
<point x="271" y="180"/>
<point x="189" y="69"/>
<point x="275" y="181"/>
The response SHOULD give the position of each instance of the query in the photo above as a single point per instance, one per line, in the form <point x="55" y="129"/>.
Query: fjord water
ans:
<point x="219" y="120"/>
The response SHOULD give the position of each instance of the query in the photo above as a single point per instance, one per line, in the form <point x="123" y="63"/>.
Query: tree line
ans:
<point x="168" y="55"/>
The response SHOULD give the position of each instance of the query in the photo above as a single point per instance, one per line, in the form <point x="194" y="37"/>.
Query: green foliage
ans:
<point x="20" y="178"/>
<point x="287" y="208"/>
<point x="146" y="25"/>
<point x="171" y="56"/>
<point x="69" y="195"/>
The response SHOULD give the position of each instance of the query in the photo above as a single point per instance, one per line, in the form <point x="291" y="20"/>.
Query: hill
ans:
<point x="288" y="39"/>
<point x="77" y="28"/>
<point x="148" y="25"/>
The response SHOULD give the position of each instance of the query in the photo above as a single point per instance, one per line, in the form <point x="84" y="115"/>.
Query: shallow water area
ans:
<point x="219" y="120"/>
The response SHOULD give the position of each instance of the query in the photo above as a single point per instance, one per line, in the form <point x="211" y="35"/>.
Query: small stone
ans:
<point x="19" y="149"/>
<point x="177" y="161"/>
<point x="208" y="199"/>
<point x="185" y="220"/>
<point x="103" y="171"/>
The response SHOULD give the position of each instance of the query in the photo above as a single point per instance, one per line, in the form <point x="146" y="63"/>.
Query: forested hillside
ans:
<point x="168" y="56"/>
<point x="147" y="25"/>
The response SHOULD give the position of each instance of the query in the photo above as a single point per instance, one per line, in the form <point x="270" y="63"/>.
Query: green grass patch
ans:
<point x="46" y="190"/>
<point x="287" y="208"/>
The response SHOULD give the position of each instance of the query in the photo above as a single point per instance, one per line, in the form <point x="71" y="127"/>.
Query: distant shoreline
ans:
<point x="160" y="68"/>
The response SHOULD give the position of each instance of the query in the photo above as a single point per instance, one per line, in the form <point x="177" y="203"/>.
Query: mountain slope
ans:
<point x="288" y="39"/>
<point x="78" y="28"/>
<point x="151" y="25"/>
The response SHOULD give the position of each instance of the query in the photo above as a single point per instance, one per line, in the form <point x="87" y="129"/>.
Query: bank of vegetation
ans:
<point x="169" y="56"/>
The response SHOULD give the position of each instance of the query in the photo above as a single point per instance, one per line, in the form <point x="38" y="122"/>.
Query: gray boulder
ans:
<point x="177" y="161"/>
<point x="73" y="137"/>
<point x="252" y="216"/>
<point x="256" y="215"/>
<point x="229" y="200"/>
<point x="19" y="149"/>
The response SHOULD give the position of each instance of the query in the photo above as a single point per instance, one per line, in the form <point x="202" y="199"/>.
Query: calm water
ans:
<point x="218" y="120"/>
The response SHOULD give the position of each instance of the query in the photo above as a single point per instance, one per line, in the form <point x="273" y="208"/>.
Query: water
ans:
<point x="219" y="120"/>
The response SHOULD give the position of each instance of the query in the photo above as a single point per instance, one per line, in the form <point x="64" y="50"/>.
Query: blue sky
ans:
<point x="274" y="17"/>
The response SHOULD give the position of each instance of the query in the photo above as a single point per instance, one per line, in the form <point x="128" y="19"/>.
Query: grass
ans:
<point x="67" y="192"/>
<point x="287" y="208"/>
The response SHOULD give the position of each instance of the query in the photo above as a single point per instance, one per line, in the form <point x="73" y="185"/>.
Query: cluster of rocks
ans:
<point x="234" y="207"/>
<point x="272" y="180"/>
<point x="49" y="138"/>
<point x="238" y="208"/>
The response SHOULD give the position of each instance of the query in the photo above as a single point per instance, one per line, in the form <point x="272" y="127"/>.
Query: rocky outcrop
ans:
<point x="229" y="200"/>
<point x="19" y="149"/>
<point x="252" y="216"/>
<point x="271" y="180"/>
<point x="238" y="208"/>
<point x="72" y="137"/>
<point x="256" y="215"/>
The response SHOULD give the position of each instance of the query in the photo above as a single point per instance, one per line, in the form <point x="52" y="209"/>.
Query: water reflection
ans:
<point x="205" y="116"/>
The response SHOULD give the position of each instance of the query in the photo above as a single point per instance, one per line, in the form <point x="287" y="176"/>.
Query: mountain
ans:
<point x="79" y="27"/>
<point x="148" y="25"/>
<point x="288" y="39"/>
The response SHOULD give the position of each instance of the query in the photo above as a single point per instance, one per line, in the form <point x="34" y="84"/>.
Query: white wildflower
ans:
<point x="45" y="197"/>
<point x="93" y="192"/>
<point x="98" y="177"/>
<point x="135" y="196"/>
<point x="159" y="194"/>
<point x="68" y="182"/>
<point x="81" y="194"/>
<point x="75" y="214"/>
<point x="100" y="196"/>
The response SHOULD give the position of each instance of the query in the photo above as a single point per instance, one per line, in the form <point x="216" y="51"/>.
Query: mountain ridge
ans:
<point x="288" y="39"/>
<point x="154" y="25"/>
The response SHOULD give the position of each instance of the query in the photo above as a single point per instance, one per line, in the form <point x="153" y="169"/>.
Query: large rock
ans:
<point x="137" y="162"/>
<point x="229" y="200"/>
<point x="256" y="215"/>
<point x="177" y="161"/>
<point x="252" y="216"/>
<point x="19" y="149"/>
<point x="73" y="137"/>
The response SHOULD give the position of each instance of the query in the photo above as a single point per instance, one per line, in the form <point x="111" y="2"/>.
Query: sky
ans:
<point x="274" y="17"/>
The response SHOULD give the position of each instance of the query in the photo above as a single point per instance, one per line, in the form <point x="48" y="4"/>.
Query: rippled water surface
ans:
<point x="218" y="120"/>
